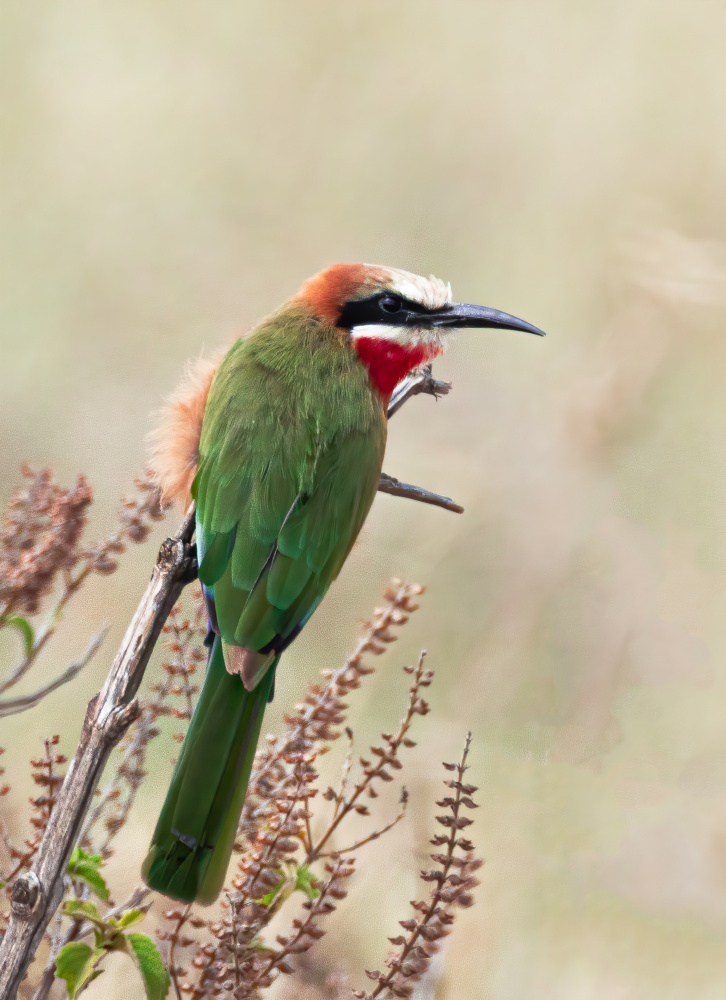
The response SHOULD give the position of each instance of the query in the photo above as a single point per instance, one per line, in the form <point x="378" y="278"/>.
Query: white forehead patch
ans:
<point x="431" y="292"/>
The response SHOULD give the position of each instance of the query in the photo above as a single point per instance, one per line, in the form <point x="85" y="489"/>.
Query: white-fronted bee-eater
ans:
<point x="280" y="445"/>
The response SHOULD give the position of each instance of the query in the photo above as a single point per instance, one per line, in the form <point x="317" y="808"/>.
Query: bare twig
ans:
<point x="48" y="978"/>
<point x="13" y="705"/>
<point x="452" y="883"/>
<point x="387" y="484"/>
<point x="376" y="833"/>
<point x="412" y="385"/>
<point x="419" y="382"/>
<point x="174" y="938"/>
<point x="48" y="631"/>
<point x="386" y="758"/>
<point x="37" y="893"/>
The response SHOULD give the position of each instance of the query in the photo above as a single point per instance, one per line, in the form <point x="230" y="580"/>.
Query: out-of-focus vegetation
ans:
<point x="172" y="171"/>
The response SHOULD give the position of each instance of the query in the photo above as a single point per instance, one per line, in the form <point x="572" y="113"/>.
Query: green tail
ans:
<point x="193" y="840"/>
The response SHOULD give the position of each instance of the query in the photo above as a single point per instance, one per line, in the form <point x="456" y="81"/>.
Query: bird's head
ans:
<point x="396" y="320"/>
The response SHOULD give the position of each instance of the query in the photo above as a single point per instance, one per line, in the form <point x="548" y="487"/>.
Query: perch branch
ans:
<point x="37" y="893"/>
<point x="412" y="385"/>
<point x="420" y="382"/>
<point x="387" y="484"/>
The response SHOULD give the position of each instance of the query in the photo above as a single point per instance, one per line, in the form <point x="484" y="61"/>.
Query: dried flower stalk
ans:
<point x="44" y="773"/>
<point x="452" y="882"/>
<point x="38" y="538"/>
<point x="40" y="541"/>
<point x="387" y="758"/>
<point x="276" y="827"/>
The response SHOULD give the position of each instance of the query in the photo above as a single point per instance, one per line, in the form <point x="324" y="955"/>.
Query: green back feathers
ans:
<point x="290" y="454"/>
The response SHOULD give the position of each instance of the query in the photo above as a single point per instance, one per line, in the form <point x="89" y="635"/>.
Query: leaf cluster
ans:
<point x="79" y="963"/>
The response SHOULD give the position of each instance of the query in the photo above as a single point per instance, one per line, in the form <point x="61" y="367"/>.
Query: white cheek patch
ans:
<point x="379" y="331"/>
<point x="406" y="336"/>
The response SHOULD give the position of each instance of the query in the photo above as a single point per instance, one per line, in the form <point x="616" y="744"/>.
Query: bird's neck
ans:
<point x="387" y="362"/>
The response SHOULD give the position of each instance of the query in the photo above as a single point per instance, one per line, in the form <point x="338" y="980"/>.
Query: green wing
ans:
<point x="283" y="487"/>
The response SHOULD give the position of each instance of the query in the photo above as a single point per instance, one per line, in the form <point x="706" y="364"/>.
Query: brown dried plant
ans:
<point x="39" y="538"/>
<point x="292" y="843"/>
<point x="42" y="556"/>
<point x="277" y="824"/>
<point x="44" y="772"/>
<point x="172" y="697"/>
<point x="287" y="849"/>
<point x="452" y="882"/>
<point x="281" y="837"/>
<point x="43" y="565"/>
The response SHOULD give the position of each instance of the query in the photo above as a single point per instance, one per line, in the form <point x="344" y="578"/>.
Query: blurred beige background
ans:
<point x="172" y="170"/>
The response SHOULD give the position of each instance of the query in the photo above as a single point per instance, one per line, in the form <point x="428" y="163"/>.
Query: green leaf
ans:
<point x="128" y="918"/>
<point x="84" y="910"/>
<point x="78" y="854"/>
<point x="24" y="626"/>
<point x="84" y="868"/>
<point x="91" y="876"/>
<point x="305" y="881"/>
<point x="269" y="897"/>
<point x="153" y="970"/>
<point x="75" y="964"/>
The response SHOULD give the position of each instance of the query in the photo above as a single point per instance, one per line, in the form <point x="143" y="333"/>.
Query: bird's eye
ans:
<point x="390" y="303"/>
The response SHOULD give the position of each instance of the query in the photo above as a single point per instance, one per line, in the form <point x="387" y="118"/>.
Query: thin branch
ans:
<point x="13" y="705"/>
<point x="419" y="382"/>
<point x="5" y="837"/>
<point x="412" y="385"/>
<point x="396" y="488"/>
<point x="371" y="836"/>
<point x="173" y="970"/>
<point x="70" y="586"/>
<point x="386" y="758"/>
<point x="37" y="893"/>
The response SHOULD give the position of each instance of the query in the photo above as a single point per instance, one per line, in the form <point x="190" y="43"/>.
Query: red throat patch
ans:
<point x="388" y="362"/>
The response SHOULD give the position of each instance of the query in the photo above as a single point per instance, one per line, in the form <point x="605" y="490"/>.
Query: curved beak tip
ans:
<point x="465" y="314"/>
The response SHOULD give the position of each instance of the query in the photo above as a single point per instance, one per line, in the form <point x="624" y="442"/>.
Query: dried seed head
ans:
<point x="39" y="536"/>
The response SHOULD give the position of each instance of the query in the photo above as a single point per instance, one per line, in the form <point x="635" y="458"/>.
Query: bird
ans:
<point x="279" y="442"/>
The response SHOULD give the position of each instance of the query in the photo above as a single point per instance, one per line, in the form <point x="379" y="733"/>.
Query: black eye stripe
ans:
<point x="374" y="310"/>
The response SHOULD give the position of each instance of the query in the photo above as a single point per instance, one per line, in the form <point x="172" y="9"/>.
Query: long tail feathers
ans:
<point x="194" y="835"/>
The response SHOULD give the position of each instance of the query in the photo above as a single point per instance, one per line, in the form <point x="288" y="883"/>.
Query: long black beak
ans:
<point x="463" y="314"/>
